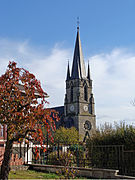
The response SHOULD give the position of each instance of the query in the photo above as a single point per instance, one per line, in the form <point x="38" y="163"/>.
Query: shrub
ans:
<point x="63" y="158"/>
<point x="79" y="153"/>
<point x="119" y="134"/>
<point x="66" y="135"/>
<point x="103" y="145"/>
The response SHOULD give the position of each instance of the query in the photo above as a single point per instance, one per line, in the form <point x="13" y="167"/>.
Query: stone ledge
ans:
<point x="83" y="172"/>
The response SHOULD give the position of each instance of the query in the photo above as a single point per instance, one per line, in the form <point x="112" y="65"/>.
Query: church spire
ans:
<point x="78" y="67"/>
<point x="88" y="73"/>
<point x="68" y="72"/>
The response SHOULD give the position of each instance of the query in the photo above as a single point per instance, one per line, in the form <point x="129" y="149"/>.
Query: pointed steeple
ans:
<point x="88" y="72"/>
<point x="78" y="67"/>
<point x="68" y="72"/>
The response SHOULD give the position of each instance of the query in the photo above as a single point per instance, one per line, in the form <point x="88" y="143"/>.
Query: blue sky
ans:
<point x="104" y="23"/>
<point x="40" y="36"/>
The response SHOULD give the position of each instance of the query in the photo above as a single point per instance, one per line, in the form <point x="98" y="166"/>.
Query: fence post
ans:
<point x="20" y="151"/>
<point x="47" y="150"/>
<point x="24" y="152"/>
<point x="27" y="152"/>
<point x="123" y="161"/>
<point x="58" y="151"/>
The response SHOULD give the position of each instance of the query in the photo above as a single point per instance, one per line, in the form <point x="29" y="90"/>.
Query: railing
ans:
<point x="108" y="156"/>
<point x="114" y="157"/>
<point x="60" y="154"/>
<point x="129" y="162"/>
<point x="75" y="155"/>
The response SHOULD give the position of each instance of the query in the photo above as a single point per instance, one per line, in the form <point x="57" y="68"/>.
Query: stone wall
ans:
<point x="83" y="172"/>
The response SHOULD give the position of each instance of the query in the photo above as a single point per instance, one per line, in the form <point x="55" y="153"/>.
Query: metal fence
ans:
<point x="62" y="154"/>
<point x="114" y="157"/>
<point x="129" y="163"/>
<point x="104" y="156"/>
<point x="108" y="156"/>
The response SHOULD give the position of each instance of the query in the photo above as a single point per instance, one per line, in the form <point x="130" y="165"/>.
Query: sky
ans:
<point x="40" y="36"/>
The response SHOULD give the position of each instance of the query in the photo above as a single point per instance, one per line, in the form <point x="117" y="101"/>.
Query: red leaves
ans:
<point x="20" y="108"/>
<point x="12" y="65"/>
<point x="44" y="150"/>
<point x="36" y="153"/>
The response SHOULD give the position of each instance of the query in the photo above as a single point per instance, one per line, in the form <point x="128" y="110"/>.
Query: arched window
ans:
<point x="85" y="93"/>
<point x="71" y="93"/>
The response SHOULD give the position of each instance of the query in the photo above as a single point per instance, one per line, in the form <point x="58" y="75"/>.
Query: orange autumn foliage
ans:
<point x="22" y="110"/>
<point x="22" y="105"/>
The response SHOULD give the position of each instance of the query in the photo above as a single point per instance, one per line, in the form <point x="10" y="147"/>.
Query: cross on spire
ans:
<point x="78" y="23"/>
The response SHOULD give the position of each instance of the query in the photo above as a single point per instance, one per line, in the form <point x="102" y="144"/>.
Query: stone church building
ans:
<point x="78" y="109"/>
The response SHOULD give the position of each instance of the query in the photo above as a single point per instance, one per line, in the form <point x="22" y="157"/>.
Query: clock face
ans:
<point x="87" y="125"/>
<point x="85" y="108"/>
<point x="72" y="108"/>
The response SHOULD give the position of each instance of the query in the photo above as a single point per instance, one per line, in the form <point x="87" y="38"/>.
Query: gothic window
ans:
<point x="71" y="93"/>
<point x="85" y="93"/>
<point x="90" y="106"/>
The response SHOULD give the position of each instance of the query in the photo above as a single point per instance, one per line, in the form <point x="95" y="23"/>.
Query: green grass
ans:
<point x="29" y="174"/>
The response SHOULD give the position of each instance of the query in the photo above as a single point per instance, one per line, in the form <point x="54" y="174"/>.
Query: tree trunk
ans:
<point x="5" y="167"/>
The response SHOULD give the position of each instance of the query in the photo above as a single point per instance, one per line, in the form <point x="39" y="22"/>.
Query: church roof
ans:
<point x="22" y="89"/>
<point x="78" y="67"/>
<point x="59" y="109"/>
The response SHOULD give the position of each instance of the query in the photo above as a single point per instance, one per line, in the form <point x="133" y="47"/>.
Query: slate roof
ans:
<point x="21" y="88"/>
<point x="78" y="67"/>
<point x="60" y="110"/>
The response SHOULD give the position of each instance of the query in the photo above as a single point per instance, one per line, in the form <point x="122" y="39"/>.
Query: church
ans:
<point x="79" y="106"/>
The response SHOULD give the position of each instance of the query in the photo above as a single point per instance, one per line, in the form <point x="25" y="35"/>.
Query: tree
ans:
<point x="66" y="135"/>
<point x="118" y="134"/>
<point x="22" y="110"/>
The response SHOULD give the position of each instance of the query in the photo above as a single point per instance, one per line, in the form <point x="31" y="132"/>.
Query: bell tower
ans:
<point x="79" y="100"/>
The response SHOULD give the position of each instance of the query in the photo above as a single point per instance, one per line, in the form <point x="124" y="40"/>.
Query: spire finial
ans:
<point x="68" y="71"/>
<point x="88" y="73"/>
<point x="78" y="66"/>
<point x="78" y="23"/>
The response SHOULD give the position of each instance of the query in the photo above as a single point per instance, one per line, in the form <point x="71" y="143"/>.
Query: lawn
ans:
<point x="29" y="174"/>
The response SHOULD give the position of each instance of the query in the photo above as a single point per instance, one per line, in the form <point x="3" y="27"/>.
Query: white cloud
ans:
<point x="113" y="76"/>
<point x="50" y="68"/>
<point x="114" y="87"/>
